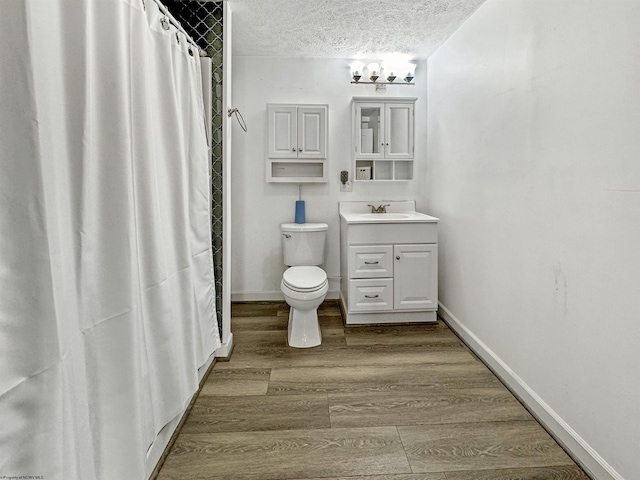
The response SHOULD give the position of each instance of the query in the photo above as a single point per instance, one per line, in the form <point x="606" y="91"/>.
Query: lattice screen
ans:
<point x="203" y="21"/>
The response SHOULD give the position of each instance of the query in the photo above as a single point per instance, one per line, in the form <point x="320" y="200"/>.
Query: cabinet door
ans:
<point x="283" y="131"/>
<point x="312" y="132"/>
<point x="399" y="130"/>
<point x="369" y="130"/>
<point x="415" y="277"/>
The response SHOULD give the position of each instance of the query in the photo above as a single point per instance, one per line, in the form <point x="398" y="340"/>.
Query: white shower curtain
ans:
<point x="107" y="304"/>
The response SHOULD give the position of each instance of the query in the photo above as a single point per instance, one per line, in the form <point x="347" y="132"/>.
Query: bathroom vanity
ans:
<point x="389" y="263"/>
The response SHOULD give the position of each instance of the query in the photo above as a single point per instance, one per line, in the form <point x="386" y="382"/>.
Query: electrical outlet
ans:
<point x="346" y="186"/>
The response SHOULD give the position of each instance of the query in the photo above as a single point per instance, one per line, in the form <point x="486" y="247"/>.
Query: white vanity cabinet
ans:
<point x="389" y="270"/>
<point x="383" y="138"/>
<point x="296" y="143"/>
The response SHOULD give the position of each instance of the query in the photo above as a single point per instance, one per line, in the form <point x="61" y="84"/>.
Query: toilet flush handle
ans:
<point x="286" y="235"/>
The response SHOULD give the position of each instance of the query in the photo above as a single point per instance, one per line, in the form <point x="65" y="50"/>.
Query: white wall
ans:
<point x="534" y="168"/>
<point x="258" y="208"/>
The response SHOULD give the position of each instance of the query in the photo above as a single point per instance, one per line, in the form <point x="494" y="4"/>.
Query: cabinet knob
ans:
<point x="293" y="149"/>
<point x="299" y="149"/>
<point x="397" y="257"/>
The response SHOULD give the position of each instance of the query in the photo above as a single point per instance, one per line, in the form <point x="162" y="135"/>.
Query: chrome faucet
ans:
<point x="379" y="208"/>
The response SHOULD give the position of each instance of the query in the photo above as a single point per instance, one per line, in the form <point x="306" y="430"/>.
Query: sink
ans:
<point x="385" y="216"/>
<point x="399" y="212"/>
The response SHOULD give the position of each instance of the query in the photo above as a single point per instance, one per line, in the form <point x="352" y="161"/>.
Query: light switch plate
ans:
<point x="346" y="187"/>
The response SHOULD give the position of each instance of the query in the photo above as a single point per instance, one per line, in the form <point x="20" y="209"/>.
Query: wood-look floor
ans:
<point x="370" y="403"/>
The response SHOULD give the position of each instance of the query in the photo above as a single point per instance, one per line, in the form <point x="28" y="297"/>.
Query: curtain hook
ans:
<point x="178" y="38"/>
<point x="144" y="5"/>
<point x="165" y="23"/>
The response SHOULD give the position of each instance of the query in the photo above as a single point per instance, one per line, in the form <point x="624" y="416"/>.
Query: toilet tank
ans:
<point x="303" y="243"/>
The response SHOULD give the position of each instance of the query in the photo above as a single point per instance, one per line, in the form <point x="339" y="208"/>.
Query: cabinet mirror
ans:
<point x="370" y="130"/>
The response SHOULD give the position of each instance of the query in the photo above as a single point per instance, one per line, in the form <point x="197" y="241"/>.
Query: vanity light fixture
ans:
<point x="374" y="72"/>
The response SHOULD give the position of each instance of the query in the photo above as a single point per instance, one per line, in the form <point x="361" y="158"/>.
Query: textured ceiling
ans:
<point x="345" y="28"/>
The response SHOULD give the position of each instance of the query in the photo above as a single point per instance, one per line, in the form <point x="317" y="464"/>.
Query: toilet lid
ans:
<point x="304" y="278"/>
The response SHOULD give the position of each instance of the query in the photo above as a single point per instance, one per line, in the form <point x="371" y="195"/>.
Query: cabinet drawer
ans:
<point x="389" y="233"/>
<point x="371" y="261"/>
<point x="374" y="295"/>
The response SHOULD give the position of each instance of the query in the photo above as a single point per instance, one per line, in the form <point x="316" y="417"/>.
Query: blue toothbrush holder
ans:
<point x="300" y="211"/>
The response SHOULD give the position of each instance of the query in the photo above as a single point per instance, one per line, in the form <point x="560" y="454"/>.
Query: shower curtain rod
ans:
<point x="176" y="24"/>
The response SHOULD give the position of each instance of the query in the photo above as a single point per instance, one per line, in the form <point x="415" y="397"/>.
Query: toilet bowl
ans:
<point x="304" y="284"/>
<point x="304" y="289"/>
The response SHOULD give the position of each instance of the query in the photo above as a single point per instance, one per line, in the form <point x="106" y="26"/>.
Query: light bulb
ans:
<point x="356" y="70"/>
<point x="374" y="70"/>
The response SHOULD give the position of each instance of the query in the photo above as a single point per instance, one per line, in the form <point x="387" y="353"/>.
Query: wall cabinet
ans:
<point x="296" y="143"/>
<point x="383" y="138"/>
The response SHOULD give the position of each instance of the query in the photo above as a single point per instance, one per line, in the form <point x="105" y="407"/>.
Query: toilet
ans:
<point x="304" y="284"/>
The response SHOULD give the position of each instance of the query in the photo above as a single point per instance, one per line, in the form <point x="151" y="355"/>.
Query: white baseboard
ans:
<point x="276" y="295"/>
<point x="333" y="295"/>
<point x="269" y="296"/>
<point x="577" y="447"/>
<point x="225" y="349"/>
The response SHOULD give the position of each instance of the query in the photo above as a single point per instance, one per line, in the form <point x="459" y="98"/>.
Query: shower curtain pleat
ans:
<point x="107" y="302"/>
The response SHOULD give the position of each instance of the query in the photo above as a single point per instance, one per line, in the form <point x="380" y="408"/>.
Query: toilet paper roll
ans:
<point x="300" y="211"/>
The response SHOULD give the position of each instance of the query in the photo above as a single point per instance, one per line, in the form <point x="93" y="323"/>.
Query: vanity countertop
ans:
<point x="397" y="212"/>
